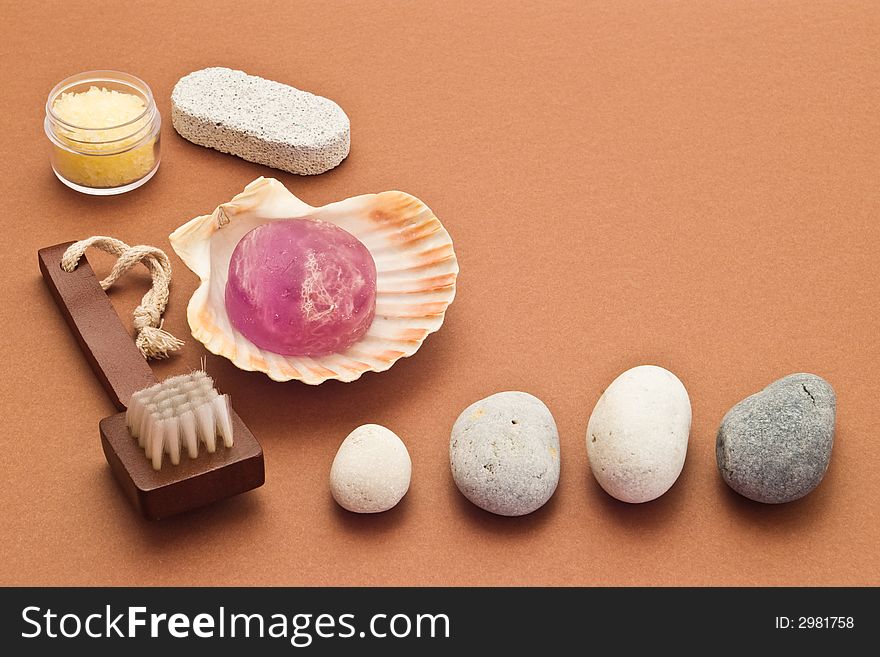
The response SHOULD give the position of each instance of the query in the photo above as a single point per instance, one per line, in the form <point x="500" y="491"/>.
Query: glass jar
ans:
<point x="94" y="158"/>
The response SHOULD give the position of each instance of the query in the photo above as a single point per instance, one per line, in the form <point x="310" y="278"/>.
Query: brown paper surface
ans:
<point x="691" y="185"/>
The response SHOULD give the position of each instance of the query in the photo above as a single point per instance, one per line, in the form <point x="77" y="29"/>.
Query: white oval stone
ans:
<point x="371" y="471"/>
<point x="637" y="436"/>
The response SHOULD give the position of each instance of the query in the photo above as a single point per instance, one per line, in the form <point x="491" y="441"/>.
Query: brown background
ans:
<point x="691" y="184"/>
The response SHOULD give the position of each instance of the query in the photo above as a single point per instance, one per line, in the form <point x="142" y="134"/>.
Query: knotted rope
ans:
<point x="151" y="339"/>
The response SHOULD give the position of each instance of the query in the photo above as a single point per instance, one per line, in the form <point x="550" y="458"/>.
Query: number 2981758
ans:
<point x="815" y="622"/>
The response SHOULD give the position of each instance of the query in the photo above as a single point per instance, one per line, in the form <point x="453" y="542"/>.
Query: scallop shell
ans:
<point x="415" y="264"/>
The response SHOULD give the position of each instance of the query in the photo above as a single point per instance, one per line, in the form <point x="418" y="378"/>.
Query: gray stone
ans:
<point x="775" y="446"/>
<point x="504" y="453"/>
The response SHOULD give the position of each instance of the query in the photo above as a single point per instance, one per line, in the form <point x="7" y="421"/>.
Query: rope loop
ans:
<point x="152" y="341"/>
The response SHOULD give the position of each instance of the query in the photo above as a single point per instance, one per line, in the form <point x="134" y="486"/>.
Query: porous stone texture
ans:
<point x="260" y="120"/>
<point x="371" y="471"/>
<point x="504" y="453"/>
<point x="637" y="436"/>
<point x="775" y="446"/>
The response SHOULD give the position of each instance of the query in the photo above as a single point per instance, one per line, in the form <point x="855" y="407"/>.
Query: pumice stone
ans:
<point x="775" y="446"/>
<point x="260" y="120"/>
<point x="371" y="471"/>
<point x="504" y="453"/>
<point x="637" y="436"/>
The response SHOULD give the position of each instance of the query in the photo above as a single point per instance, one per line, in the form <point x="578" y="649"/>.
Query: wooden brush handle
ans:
<point x="108" y="347"/>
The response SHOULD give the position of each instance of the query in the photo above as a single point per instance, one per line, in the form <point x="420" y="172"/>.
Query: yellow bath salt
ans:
<point x="107" y="135"/>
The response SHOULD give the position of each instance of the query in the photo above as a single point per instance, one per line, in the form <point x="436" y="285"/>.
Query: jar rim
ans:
<point x="107" y="75"/>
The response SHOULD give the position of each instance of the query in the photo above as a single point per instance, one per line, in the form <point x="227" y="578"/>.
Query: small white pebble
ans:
<point x="371" y="471"/>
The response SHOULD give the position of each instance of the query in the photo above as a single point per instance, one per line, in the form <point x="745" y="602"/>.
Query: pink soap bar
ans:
<point x="301" y="287"/>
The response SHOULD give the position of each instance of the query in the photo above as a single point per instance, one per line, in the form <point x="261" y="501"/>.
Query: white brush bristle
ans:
<point x="179" y="414"/>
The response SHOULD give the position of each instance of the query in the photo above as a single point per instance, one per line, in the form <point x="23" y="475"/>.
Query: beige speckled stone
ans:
<point x="371" y="471"/>
<point x="260" y="120"/>
<point x="504" y="453"/>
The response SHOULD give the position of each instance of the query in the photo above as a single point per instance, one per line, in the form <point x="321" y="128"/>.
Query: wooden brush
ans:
<point x="183" y="412"/>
